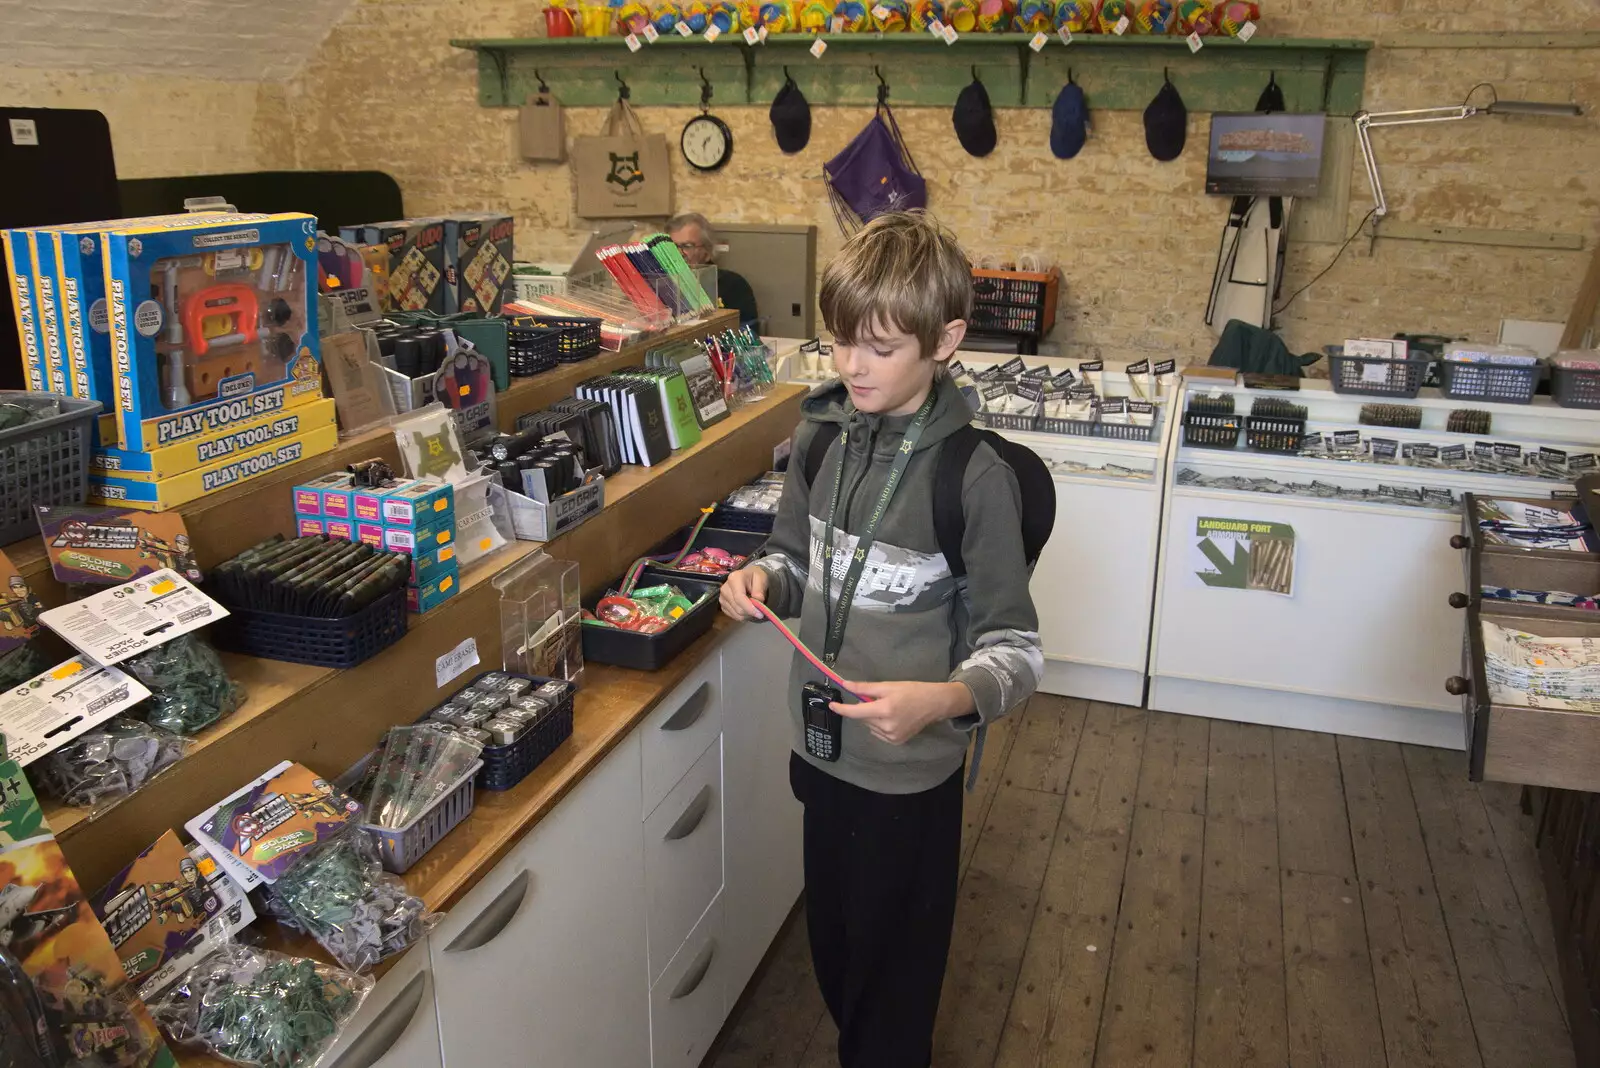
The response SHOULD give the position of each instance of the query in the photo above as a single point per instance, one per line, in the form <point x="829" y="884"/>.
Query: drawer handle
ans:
<point x="689" y="713"/>
<point x="1460" y="541"/>
<point x="697" y="973"/>
<point x="1459" y="600"/>
<point x="1456" y="686"/>
<point x="386" y="1030"/>
<point x="492" y="920"/>
<point x="689" y="822"/>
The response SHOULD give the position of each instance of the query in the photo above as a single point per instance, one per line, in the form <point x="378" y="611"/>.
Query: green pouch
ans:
<point x="486" y="332"/>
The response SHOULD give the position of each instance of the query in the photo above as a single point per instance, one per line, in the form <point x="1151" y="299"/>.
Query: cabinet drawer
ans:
<point x="680" y="729"/>
<point x="397" y="1026"/>
<point x="683" y="857"/>
<point x="689" y="1002"/>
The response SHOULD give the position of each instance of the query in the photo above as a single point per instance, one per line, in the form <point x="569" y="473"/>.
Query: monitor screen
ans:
<point x="1260" y="154"/>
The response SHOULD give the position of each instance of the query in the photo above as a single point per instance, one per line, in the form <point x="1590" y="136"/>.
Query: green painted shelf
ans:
<point x="1117" y="73"/>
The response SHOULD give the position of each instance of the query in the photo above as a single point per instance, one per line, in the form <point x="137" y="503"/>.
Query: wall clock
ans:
<point x="707" y="142"/>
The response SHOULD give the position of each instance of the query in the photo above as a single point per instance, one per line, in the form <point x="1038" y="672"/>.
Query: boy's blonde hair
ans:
<point x="902" y="271"/>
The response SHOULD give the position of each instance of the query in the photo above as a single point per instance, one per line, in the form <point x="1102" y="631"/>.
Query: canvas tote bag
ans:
<point x="623" y="172"/>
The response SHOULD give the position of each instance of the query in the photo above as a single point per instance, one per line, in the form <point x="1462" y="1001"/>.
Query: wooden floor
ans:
<point x="1142" y="889"/>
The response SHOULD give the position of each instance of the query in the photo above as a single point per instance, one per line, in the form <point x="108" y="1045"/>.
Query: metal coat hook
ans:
<point x="1166" y="75"/>
<point x="975" y="74"/>
<point x="543" y="88"/>
<point x="705" y="89"/>
<point x="787" y="77"/>
<point x="1070" y="79"/>
<point x="623" y="92"/>
<point x="883" y="86"/>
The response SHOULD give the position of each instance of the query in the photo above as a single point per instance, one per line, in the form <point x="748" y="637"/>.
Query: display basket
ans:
<point x="531" y="350"/>
<point x="1499" y="382"/>
<point x="330" y="643"/>
<point x="580" y="338"/>
<point x="506" y="765"/>
<point x="1007" y="420"/>
<point x="1015" y="302"/>
<point x="1375" y="376"/>
<point x="753" y="520"/>
<point x="1575" y="387"/>
<point x="1270" y="433"/>
<point x="650" y="652"/>
<point x="1208" y="431"/>
<point x="401" y="847"/>
<point x="43" y="462"/>
<point x="739" y="542"/>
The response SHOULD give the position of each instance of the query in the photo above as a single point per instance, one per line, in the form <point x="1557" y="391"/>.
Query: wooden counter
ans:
<point x="225" y="523"/>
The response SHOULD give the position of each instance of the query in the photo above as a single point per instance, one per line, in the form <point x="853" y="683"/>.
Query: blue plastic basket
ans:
<point x="506" y="765"/>
<point x="331" y="643"/>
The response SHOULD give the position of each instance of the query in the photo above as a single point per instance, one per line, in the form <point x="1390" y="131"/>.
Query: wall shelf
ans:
<point x="1117" y="73"/>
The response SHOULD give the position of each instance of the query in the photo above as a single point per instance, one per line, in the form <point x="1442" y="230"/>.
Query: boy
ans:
<point x="882" y="792"/>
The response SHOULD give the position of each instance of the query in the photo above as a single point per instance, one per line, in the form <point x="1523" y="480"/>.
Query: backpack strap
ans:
<point x="816" y="452"/>
<point x="949" y="517"/>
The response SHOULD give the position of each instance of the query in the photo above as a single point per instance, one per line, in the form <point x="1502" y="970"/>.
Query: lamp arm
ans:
<point x="1366" y="120"/>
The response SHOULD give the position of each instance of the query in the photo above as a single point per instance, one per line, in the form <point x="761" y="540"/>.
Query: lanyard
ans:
<point x="838" y="614"/>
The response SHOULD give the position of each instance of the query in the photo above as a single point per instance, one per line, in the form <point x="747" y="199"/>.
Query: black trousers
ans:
<point x="880" y="903"/>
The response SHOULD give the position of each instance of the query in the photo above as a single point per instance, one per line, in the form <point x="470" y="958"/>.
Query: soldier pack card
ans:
<point x="257" y="833"/>
<point x="106" y="546"/>
<point x="156" y="907"/>
<point x="62" y="982"/>
<point x="19" y="608"/>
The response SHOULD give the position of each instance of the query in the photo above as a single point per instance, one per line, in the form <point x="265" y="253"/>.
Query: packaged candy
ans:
<point x="340" y="895"/>
<point x="1229" y="15"/>
<point x="189" y="688"/>
<point x="259" y="1008"/>
<point x="1153" y="17"/>
<point x="710" y="561"/>
<point x="109" y="762"/>
<point x="1077" y="16"/>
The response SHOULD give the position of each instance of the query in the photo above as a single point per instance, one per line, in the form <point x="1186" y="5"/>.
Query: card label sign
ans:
<point x="125" y="620"/>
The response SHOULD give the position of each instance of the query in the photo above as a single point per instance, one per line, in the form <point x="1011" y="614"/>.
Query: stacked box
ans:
<point x="416" y="260"/>
<point x="415" y="516"/>
<point x="478" y="252"/>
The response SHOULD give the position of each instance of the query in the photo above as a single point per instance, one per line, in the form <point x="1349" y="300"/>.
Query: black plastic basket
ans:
<point x="531" y="350"/>
<point x="1206" y="431"/>
<point x="747" y="519"/>
<point x="650" y="652"/>
<point x="740" y="542"/>
<point x="1270" y="433"/>
<point x="1125" y="431"/>
<point x="506" y="765"/>
<point x="43" y="462"/>
<point x="1575" y="387"/>
<point x="1007" y="420"/>
<point x="580" y="338"/>
<point x="331" y="643"/>
<point x="1500" y="382"/>
<point x="1082" y="428"/>
<point x="1401" y="378"/>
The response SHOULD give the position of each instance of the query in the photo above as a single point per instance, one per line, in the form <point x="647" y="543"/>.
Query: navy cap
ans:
<point x="1069" y="121"/>
<point x="791" y="117"/>
<point x="974" y="120"/>
<point x="1166" y="123"/>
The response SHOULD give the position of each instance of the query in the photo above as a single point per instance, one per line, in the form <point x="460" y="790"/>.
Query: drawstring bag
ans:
<point x="874" y="173"/>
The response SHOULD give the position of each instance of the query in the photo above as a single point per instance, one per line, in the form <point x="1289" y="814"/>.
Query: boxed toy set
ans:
<point x="24" y="304"/>
<point x="478" y="251"/>
<point x="413" y="516"/>
<point x="416" y="260"/>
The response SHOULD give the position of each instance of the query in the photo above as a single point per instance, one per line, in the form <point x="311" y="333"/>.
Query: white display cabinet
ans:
<point x="1363" y="643"/>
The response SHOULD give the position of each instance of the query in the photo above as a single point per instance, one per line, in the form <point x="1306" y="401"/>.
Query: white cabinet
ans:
<point x="762" y="818"/>
<point x="683" y="857"/>
<point x="543" y="963"/>
<point x="679" y="729"/>
<point x="398" y="1026"/>
<point x="689" y="1002"/>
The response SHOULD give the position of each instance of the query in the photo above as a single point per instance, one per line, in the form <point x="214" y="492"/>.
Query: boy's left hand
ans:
<point x="897" y="712"/>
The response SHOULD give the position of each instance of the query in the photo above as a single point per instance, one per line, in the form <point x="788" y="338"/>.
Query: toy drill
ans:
<point x="230" y="326"/>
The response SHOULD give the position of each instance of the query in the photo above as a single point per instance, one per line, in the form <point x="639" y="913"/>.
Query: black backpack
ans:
<point x="949" y="521"/>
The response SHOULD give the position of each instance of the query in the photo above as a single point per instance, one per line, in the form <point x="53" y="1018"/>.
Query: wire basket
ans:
<point x="1376" y="376"/>
<point x="506" y="765"/>
<point x="1575" y="387"/>
<point x="401" y="847"/>
<point x="1269" y="433"/>
<point x="1207" y="431"/>
<point x="1474" y="380"/>
<point x="1015" y="302"/>
<point x="531" y="350"/>
<point x="43" y="462"/>
<point x="580" y="338"/>
<point x="331" y="643"/>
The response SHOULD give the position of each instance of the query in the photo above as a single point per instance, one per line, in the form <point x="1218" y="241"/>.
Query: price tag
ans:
<point x="1065" y="35"/>
<point x="455" y="663"/>
<point x="836" y="26"/>
<point x="880" y="12"/>
<point x="650" y="33"/>
<point x="1247" y="31"/>
<point x="750" y="35"/>
<point x="1375" y="371"/>
<point x="936" y="27"/>
<point x="1121" y="27"/>
<point x="818" y="47"/>
<point x="1195" y="44"/>
<point x="1038" y="42"/>
<point x="712" y="33"/>
<point x="950" y="35"/>
<point x="633" y="42"/>
<point x="684" y="30"/>
<point x="762" y="33"/>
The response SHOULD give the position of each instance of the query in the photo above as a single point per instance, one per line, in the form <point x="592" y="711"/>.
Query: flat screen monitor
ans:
<point x="1264" y="154"/>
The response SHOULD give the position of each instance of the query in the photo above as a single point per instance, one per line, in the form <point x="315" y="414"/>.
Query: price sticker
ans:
<point x="712" y="33"/>
<point x="880" y="12"/>
<point x="1038" y="42"/>
<point x="1121" y="27"/>
<point x="836" y="26"/>
<point x="1195" y="44"/>
<point x="1376" y="371"/>
<point x="1247" y="31"/>
<point x="684" y="30"/>
<point x="818" y="47"/>
<point x="751" y="36"/>
<point x="936" y="27"/>
<point x="1065" y="35"/>
<point x="762" y="33"/>
<point x="633" y="42"/>
<point x="650" y="33"/>
<point x="950" y="35"/>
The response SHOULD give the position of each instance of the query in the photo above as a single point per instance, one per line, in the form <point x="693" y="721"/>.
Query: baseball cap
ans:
<point x="1069" y="120"/>
<point x="1166" y="123"/>
<point x="791" y="117"/>
<point x="974" y="120"/>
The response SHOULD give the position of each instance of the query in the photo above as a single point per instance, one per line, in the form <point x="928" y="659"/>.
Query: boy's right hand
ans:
<point x="740" y="589"/>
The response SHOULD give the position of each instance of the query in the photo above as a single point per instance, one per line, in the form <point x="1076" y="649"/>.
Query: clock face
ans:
<point x="707" y="142"/>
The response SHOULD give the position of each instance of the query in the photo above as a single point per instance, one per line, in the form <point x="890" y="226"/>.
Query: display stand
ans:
<point x="1364" y="640"/>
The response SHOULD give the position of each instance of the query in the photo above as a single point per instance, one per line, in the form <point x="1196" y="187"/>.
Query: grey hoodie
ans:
<point x="910" y="620"/>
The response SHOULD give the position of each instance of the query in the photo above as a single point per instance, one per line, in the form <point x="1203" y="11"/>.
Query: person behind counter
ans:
<point x="698" y="242"/>
<point x="880" y="780"/>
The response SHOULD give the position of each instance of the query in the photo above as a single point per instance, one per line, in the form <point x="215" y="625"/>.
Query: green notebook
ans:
<point x="680" y="409"/>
